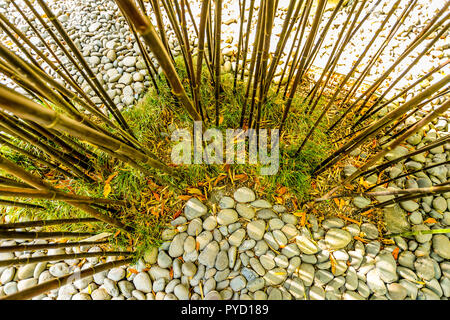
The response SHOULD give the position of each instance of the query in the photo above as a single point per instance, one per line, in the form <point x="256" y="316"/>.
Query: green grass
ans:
<point x="156" y="115"/>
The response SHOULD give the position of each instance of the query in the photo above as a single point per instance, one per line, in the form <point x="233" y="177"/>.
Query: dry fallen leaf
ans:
<point x="430" y="220"/>
<point x="106" y="190"/>
<point x="194" y="191"/>
<point x="395" y="253"/>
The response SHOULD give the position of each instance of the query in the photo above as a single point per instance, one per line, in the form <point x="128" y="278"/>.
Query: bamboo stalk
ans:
<point x="306" y="48"/>
<point x="4" y="28"/>
<point x="413" y="112"/>
<point x="177" y="25"/>
<point x="258" y="63"/>
<point x="89" y="106"/>
<point x="380" y="124"/>
<point x="61" y="281"/>
<point x="148" y="62"/>
<point x="406" y="70"/>
<point x="37" y="183"/>
<point x="147" y="31"/>
<point x="201" y="53"/>
<point x="92" y="78"/>
<point x="217" y="53"/>
<point x="9" y="183"/>
<point x="51" y="195"/>
<point x="286" y="29"/>
<point x="334" y="57"/>
<point x="27" y="109"/>
<point x="247" y="39"/>
<point x="45" y="223"/>
<point x="437" y="190"/>
<point x="351" y="92"/>
<point x="42" y="235"/>
<point x="9" y="203"/>
<point x="315" y="51"/>
<point x="426" y="31"/>
<point x="256" y="45"/>
<point x="42" y="134"/>
<point x="409" y="173"/>
<point x="35" y="158"/>
<point x="194" y="24"/>
<point x="428" y="190"/>
<point x="417" y="232"/>
<point x="210" y="41"/>
<point x="439" y="142"/>
<point x="194" y="81"/>
<point x="34" y="247"/>
<point x="347" y="77"/>
<point x="40" y="82"/>
<point x="431" y="116"/>
<point x="66" y="74"/>
<point x="241" y="26"/>
<point x="52" y="153"/>
<point x="291" y="50"/>
<point x="373" y="110"/>
<point x="160" y="24"/>
<point x="270" y="10"/>
<point x="302" y="25"/>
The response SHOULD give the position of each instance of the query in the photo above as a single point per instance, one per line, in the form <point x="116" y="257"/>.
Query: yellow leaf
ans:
<point x="281" y="190"/>
<point x="336" y="200"/>
<point x="430" y="220"/>
<point x="333" y="264"/>
<point x="341" y="204"/>
<point x="298" y="213"/>
<point x="240" y="176"/>
<point x="395" y="253"/>
<point x="106" y="190"/>
<point x="194" y="191"/>
<point x="110" y="177"/>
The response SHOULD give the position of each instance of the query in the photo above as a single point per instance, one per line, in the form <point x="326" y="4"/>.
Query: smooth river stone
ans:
<point x="227" y="216"/>
<point x="194" y="209"/>
<point x="306" y="245"/>
<point x="338" y="238"/>
<point x="244" y="194"/>
<point x="275" y="276"/>
<point x="208" y="256"/>
<point x="256" y="229"/>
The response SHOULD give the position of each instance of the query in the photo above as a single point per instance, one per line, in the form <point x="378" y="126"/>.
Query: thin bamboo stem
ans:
<point x="10" y="203"/>
<point x="61" y="281"/>
<point x="42" y="235"/>
<point x="45" y="223"/>
<point x="59" y="257"/>
<point x="431" y="116"/>
<point x="217" y="54"/>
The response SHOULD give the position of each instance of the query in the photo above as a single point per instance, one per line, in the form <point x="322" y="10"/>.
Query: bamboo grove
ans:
<point x="57" y="120"/>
